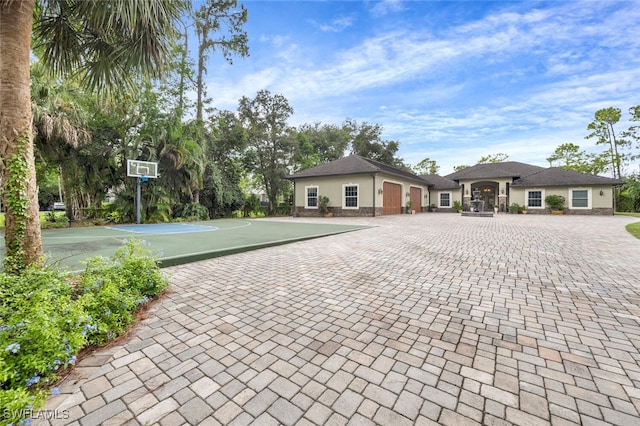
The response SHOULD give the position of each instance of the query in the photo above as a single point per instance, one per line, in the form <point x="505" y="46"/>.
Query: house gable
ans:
<point x="489" y="171"/>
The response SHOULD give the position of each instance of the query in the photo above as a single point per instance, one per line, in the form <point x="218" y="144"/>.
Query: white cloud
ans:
<point x="276" y="41"/>
<point x="516" y="81"/>
<point x="336" y="25"/>
<point x="385" y="7"/>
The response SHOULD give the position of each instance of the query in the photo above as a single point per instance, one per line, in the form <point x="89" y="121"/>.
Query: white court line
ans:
<point x="244" y="225"/>
<point x="189" y="231"/>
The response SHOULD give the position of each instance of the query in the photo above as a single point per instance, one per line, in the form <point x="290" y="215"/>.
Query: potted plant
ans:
<point x="323" y="203"/>
<point x="457" y="205"/>
<point x="555" y="203"/>
<point x="409" y="205"/>
<point x="433" y="208"/>
<point x="514" y="208"/>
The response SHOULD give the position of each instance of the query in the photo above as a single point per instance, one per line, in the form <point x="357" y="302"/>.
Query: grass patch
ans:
<point x="628" y="214"/>
<point x="634" y="229"/>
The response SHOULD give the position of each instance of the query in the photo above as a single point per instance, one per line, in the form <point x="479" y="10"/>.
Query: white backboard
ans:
<point x="138" y="168"/>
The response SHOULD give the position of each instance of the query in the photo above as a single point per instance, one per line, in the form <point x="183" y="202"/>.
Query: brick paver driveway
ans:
<point x="425" y="319"/>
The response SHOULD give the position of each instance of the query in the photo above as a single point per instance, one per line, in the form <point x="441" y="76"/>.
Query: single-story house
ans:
<point x="503" y="184"/>
<point x="358" y="186"/>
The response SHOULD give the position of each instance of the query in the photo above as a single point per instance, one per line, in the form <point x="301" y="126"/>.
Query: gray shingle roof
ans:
<point x="495" y="170"/>
<point x="439" y="182"/>
<point x="354" y="165"/>
<point x="555" y="176"/>
<point x="525" y="175"/>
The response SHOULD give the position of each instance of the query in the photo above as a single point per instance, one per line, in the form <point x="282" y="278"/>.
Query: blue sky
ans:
<point x="452" y="81"/>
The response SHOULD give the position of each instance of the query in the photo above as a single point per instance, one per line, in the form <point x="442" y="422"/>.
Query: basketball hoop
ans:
<point x="143" y="171"/>
<point x="139" y="168"/>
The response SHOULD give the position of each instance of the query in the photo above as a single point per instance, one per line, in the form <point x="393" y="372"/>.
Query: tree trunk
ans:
<point x="199" y="77"/>
<point x="614" y="144"/>
<point x="22" y="221"/>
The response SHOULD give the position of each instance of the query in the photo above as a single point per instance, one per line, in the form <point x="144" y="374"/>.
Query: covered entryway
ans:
<point x="487" y="195"/>
<point x="416" y="198"/>
<point x="391" y="198"/>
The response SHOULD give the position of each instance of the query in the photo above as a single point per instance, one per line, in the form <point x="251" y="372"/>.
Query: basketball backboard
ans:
<point x="138" y="168"/>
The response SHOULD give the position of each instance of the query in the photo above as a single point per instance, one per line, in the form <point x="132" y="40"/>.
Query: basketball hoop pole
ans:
<point x="138" y="207"/>
<point x="142" y="171"/>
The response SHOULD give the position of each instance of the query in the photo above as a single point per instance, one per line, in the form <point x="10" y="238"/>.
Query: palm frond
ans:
<point x="107" y="43"/>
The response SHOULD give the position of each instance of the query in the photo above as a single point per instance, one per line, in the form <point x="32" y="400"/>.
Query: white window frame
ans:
<point x="542" y="195"/>
<point x="589" y="198"/>
<point x="306" y="196"/>
<point x="344" y="196"/>
<point x="440" y="194"/>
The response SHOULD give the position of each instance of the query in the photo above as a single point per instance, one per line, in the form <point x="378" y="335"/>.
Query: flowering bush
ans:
<point x="48" y="315"/>
<point x="114" y="288"/>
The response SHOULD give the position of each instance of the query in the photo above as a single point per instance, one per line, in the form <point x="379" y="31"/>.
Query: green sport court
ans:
<point x="176" y="243"/>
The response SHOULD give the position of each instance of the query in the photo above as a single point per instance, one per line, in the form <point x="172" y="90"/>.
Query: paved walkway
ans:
<point x="425" y="319"/>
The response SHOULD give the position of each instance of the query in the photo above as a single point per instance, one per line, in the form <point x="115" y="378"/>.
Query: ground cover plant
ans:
<point x="48" y="315"/>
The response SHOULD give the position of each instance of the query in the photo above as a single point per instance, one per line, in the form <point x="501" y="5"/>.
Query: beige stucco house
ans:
<point x="503" y="184"/>
<point x="357" y="186"/>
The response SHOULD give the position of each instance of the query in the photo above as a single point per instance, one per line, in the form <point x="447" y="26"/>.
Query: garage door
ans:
<point x="391" y="198"/>
<point x="416" y="199"/>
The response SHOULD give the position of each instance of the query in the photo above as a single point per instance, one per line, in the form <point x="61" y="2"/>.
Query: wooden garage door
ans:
<point x="391" y="198"/>
<point x="416" y="199"/>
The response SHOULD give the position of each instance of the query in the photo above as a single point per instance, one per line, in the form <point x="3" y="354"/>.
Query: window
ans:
<point x="445" y="199"/>
<point x="350" y="196"/>
<point x="580" y="199"/>
<point x="312" y="197"/>
<point x="534" y="199"/>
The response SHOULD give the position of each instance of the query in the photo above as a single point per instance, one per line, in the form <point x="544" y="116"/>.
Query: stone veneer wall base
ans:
<point x="340" y="212"/>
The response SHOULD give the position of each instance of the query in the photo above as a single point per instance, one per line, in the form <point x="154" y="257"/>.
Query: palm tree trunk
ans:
<point x="17" y="166"/>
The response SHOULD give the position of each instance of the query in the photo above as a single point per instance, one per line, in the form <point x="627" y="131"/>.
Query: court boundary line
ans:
<point x="130" y="228"/>
<point x="246" y="224"/>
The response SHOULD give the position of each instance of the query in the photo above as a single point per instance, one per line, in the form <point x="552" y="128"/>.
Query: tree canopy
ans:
<point x="103" y="45"/>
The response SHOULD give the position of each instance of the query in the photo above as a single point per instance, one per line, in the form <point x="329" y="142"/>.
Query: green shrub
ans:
<point x="113" y="217"/>
<point x="323" y="203"/>
<point x="114" y="288"/>
<point x="283" y="210"/>
<point x="194" y="212"/>
<point x="40" y="333"/>
<point x="48" y="315"/>
<point x="554" y="202"/>
<point x="54" y="220"/>
<point x="251" y="206"/>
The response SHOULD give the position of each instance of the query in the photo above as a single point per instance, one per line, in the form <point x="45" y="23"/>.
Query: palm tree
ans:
<point x="106" y="44"/>
<point x="183" y="157"/>
<point x="59" y="126"/>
